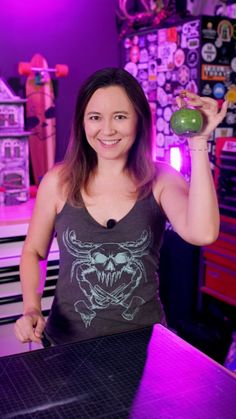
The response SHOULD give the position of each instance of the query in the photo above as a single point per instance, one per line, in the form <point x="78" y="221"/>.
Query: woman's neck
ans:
<point x="111" y="168"/>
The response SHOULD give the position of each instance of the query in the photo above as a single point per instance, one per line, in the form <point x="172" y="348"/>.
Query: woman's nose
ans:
<point x="108" y="127"/>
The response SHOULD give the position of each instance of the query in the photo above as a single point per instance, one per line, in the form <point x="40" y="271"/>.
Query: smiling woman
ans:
<point x="108" y="202"/>
<point x="111" y="105"/>
<point x="110" y="123"/>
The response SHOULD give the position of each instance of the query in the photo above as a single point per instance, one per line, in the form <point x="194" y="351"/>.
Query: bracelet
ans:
<point x="200" y="136"/>
<point x="205" y="145"/>
<point x="198" y="149"/>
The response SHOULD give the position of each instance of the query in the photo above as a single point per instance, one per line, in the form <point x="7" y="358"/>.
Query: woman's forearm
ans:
<point x="30" y="274"/>
<point x="203" y="211"/>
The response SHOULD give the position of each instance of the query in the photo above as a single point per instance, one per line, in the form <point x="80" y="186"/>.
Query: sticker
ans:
<point x="170" y="140"/>
<point x="166" y="56"/>
<point x="160" y="124"/>
<point x="230" y="118"/>
<point x="162" y="36"/>
<point x="160" y="139"/>
<point x="193" y="43"/>
<point x="152" y="85"/>
<point x="135" y="40"/>
<point x="168" y="75"/>
<point x="127" y="43"/>
<point x="179" y="57"/>
<point x="233" y="64"/>
<point x="191" y="29"/>
<point x="152" y="37"/>
<point x="172" y="35"/>
<point x="206" y="91"/>
<point x="194" y="73"/>
<point x="152" y="70"/>
<point x="169" y="99"/>
<point x="220" y="103"/>
<point x="177" y="91"/>
<point x="231" y="10"/>
<point x="161" y="96"/>
<point x="134" y="54"/>
<point x="161" y="79"/>
<point x="232" y="106"/>
<point x="167" y="128"/>
<point x="142" y="75"/>
<point x="231" y="94"/>
<point x="167" y="113"/>
<point x="183" y="75"/>
<point x="142" y="41"/>
<point x="159" y="111"/>
<point x="131" y="68"/>
<point x="170" y="65"/>
<point x="218" y="90"/>
<point x="174" y="76"/>
<point x="192" y="58"/>
<point x="160" y="152"/>
<point x="143" y="55"/>
<point x="208" y="32"/>
<point x="174" y="106"/>
<point x="214" y="72"/>
<point x="224" y="132"/>
<point x="152" y="94"/>
<point x="145" y="86"/>
<point x="142" y="66"/>
<point x="183" y="42"/>
<point x="168" y="87"/>
<point x="152" y="50"/>
<point x="225" y="30"/>
<point x="192" y="86"/>
<point x="209" y="52"/>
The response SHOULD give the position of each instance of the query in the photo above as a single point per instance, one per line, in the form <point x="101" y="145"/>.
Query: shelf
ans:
<point x="218" y="296"/>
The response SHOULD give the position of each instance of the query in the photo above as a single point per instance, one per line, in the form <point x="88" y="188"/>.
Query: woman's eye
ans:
<point x="120" y="117"/>
<point x="94" y="117"/>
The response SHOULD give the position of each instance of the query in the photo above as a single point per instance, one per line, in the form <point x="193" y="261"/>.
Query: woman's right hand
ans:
<point x="30" y="326"/>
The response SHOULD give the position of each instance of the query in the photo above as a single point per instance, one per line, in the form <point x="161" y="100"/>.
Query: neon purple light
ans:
<point x="175" y="158"/>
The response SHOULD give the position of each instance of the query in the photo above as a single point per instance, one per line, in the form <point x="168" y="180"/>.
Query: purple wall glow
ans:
<point x="80" y="33"/>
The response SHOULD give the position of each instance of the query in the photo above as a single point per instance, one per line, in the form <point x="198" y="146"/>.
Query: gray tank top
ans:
<point x="108" y="278"/>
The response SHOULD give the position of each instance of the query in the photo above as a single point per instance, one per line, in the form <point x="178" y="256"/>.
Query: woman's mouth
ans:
<point x="109" y="143"/>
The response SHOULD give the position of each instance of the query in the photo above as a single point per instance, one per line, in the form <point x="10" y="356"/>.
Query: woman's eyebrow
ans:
<point x="125" y="112"/>
<point x="99" y="113"/>
<point x="93" y="112"/>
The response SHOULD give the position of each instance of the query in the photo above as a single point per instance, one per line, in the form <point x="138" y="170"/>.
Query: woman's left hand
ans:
<point x="209" y="108"/>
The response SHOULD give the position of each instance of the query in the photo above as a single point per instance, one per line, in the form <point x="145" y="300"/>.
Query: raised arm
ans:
<point x="35" y="250"/>
<point x="193" y="209"/>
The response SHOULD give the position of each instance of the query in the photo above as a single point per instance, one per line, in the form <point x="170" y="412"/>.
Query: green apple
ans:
<point x="186" y="121"/>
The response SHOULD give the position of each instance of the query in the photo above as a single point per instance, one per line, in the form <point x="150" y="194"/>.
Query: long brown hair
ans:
<point x="81" y="160"/>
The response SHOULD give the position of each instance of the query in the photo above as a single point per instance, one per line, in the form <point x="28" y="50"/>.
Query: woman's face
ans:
<point x="110" y="123"/>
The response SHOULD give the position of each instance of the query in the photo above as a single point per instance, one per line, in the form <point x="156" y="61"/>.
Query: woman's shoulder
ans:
<point x="51" y="185"/>
<point x="53" y="176"/>
<point x="163" y="169"/>
<point x="166" y="175"/>
<point x="166" y="170"/>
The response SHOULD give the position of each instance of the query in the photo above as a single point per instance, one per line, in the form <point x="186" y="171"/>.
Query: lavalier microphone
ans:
<point x="111" y="223"/>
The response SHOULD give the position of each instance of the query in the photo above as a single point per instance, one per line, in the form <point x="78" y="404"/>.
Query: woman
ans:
<point x="108" y="203"/>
